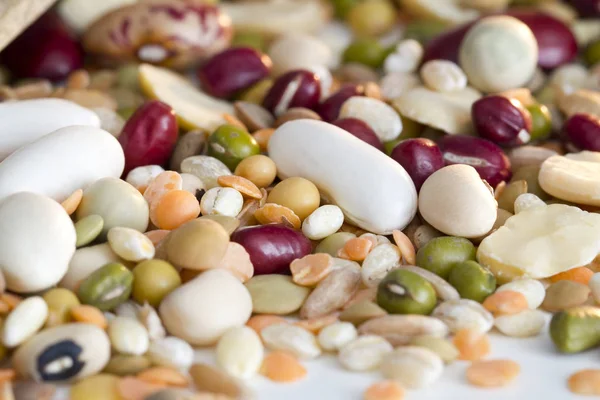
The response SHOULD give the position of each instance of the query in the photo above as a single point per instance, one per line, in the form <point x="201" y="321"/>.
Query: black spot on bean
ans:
<point x="65" y="349"/>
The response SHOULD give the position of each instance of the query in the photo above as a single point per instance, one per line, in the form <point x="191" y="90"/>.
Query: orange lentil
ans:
<point x="272" y="213"/>
<point x="357" y="249"/>
<point x="280" y="366"/>
<point x="580" y="274"/>
<point x="174" y="209"/>
<point x="384" y="390"/>
<point x="90" y="315"/>
<point x="471" y="344"/>
<point x="505" y="302"/>
<point x="161" y="184"/>
<point x="586" y="382"/>
<point x="7" y="374"/>
<point x="241" y="184"/>
<point x="232" y="120"/>
<point x="164" y="376"/>
<point x="492" y="373"/>
<point x="11" y="299"/>
<point x="72" y="202"/>
<point x="311" y="269"/>
<point x="260" y="322"/>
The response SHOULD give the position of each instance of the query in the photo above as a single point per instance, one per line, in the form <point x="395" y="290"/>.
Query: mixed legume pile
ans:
<point x="383" y="181"/>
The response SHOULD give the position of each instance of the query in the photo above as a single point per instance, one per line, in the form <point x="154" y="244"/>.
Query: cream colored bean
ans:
<point x="527" y="323"/>
<point x="24" y="321"/>
<point x="324" y="221"/>
<point x="405" y="58"/>
<point x="148" y="316"/>
<point x="532" y="289"/>
<point x="85" y="261"/>
<point x="443" y="76"/>
<point x="207" y="168"/>
<point x="395" y="84"/>
<point x="171" y="352"/>
<point x="378" y="263"/>
<point x="128" y="336"/>
<point x="382" y="118"/>
<point x="413" y="367"/>
<point x="464" y="314"/>
<point x="298" y="51"/>
<point x="594" y="284"/>
<point x="401" y="329"/>
<point x="130" y="245"/>
<point x="141" y="177"/>
<point x="191" y="183"/>
<point x="526" y="201"/>
<point x="335" y="336"/>
<point x="222" y="201"/>
<point x="573" y="177"/>
<point x="294" y="339"/>
<point x="364" y="353"/>
<point x="240" y="352"/>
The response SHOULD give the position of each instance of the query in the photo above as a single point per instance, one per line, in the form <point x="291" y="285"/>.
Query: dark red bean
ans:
<point x="486" y="157"/>
<point x="503" y="121"/>
<point x="299" y="88"/>
<point x="583" y="130"/>
<point x="233" y="70"/>
<point x="556" y="42"/>
<point x="149" y="136"/>
<point x="329" y="110"/>
<point x="361" y="130"/>
<point x="45" y="50"/>
<point x="419" y="157"/>
<point x="586" y="8"/>
<point x="272" y="247"/>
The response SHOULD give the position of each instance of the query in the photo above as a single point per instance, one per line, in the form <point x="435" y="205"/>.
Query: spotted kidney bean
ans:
<point x="149" y="136"/>
<point x="419" y="157"/>
<point x="299" y="88"/>
<point x="361" y="130"/>
<point x="583" y="130"/>
<point x="232" y="70"/>
<point x="486" y="157"/>
<point x="329" y="110"/>
<point x="272" y="247"/>
<point x="503" y="121"/>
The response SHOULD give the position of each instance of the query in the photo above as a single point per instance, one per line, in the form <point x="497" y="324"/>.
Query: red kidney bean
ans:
<point x="329" y="110"/>
<point x="556" y="42"/>
<point x="420" y="158"/>
<point x="486" y="157"/>
<point x="272" y="247"/>
<point x="45" y="50"/>
<point x="583" y="130"/>
<point x="586" y="8"/>
<point x="299" y="88"/>
<point x="233" y="70"/>
<point x="503" y="121"/>
<point x="149" y="136"/>
<point x="361" y="130"/>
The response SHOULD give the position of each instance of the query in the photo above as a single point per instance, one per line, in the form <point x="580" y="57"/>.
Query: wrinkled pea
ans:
<point x="404" y="292"/>
<point x="472" y="280"/>
<point x="153" y="280"/>
<point x="59" y="301"/>
<point x="107" y="287"/>
<point x="541" y="121"/>
<point x="440" y="254"/>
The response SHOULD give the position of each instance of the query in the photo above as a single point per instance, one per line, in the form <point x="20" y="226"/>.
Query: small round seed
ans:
<point x="492" y="373"/>
<point x="280" y="366"/>
<point x="585" y="382"/>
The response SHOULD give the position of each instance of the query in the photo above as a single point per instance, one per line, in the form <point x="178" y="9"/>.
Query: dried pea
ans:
<point x="153" y="280"/>
<point x="107" y="287"/>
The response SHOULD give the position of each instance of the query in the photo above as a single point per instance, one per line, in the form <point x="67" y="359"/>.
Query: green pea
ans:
<point x="592" y="53"/>
<point x="257" y="92"/>
<point x="343" y="7"/>
<point x="107" y="287"/>
<point x="372" y="17"/>
<point x="365" y="51"/>
<point x="440" y="254"/>
<point x="59" y="301"/>
<point x="576" y="329"/>
<point x="88" y="229"/>
<point x="541" y="121"/>
<point x="153" y="280"/>
<point x="231" y="145"/>
<point x="404" y="292"/>
<point x="424" y="30"/>
<point x="332" y="243"/>
<point x="249" y="39"/>
<point x="472" y="281"/>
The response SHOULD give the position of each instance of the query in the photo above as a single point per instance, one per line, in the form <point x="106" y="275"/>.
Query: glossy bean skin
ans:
<point x="361" y="130"/>
<point x="233" y="70"/>
<point x="486" y="157"/>
<point x="419" y="157"/>
<point x="272" y="247"/>
<point x="305" y="92"/>
<point x="583" y="130"/>
<point x="329" y="109"/>
<point x="149" y="136"/>
<point x="502" y="121"/>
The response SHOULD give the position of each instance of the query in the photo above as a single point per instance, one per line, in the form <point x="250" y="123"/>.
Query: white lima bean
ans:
<point x="413" y="367"/>
<point x="240" y="352"/>
<point x="381" y="260"/>
<point x="324" y="221"/>
<point x="364" y="353"/>
<point x="382" y="118"/>
<point x="128" y="336"/>
<point x="141" y="177"/>
<point x="526" y="323"/>
<point x="171" y="352"/>
<point x="332" y="149"/>
<point x="443" y="76"/>
<point x="222" y="201"/>
<point x="335" y="336"/>
<point x="24" y="321"/>
<point x="25" y="121"/>
<point x="291" y="338"/>
<point x="532" y="289"/>
<point x="130" y="245"/>
<point x="406" y="57"/>
<point x="61" y="162"/>
<point x="464" y="314"/>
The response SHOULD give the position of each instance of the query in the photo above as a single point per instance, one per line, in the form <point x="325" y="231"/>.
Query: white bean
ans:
<point x="382" y="118"/>
<point x="129" y="244"/>
<point x="324" y="221"/>
<point x="381" y="260"/>
<point x="141" y="177"/>
<point x="526" y="323"/>
<point x="222" y="201"/>
<point x="335" y="336"/>
<point x="443" y="76"/>
<point x="412" y="366"/>
<point x="406" y="57"/>
<point x="24" y="321"/>
<point x="364" y="353"/>
<point x="171" y="352"/>
<point x="128" y="336"/>
<point x="240" y="352"/>
<point x="287" y="337"/>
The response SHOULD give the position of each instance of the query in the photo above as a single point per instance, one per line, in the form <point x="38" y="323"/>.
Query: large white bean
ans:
<point x="22" y="122"/>
<point x="373" y="191"/>
<point x="61" y="162"/>
<point x="37" y="240"/>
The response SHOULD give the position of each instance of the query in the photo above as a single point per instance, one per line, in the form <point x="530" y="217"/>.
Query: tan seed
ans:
<point x="72" y="202"/>
<point x="29" y="390"/>
<point x="406" y="247"/>
<point x="237" y="261"/>
<point x="361" y="312"/>
<point x="7" y="374"/>
<point x="164" y="376"/>
<point x="311" y="269"/>
<point x="34" y="90"/>
<point x="262" y="137"/>
<point x="131" y="388"/>
<point x="79" y="79"/>
<point x="331" y="293"/>
<point x="492" y="373"/>
<point x="232" y="120"/>
<point x="315" y="325"/>
<point x="295" y="113"/>
<point x="211" y="379"/>
<point x="586" y="382"/>
<point x="89" y="315"/>
<point x="368" y="294"/>
<point x="241" y="184"/>
<point x="272" y="213"/>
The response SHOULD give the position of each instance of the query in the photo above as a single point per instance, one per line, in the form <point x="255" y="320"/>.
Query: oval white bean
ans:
<point x="61" y="162"/>
<point x="22" y="122"/>
<point x="379" y="196"/>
